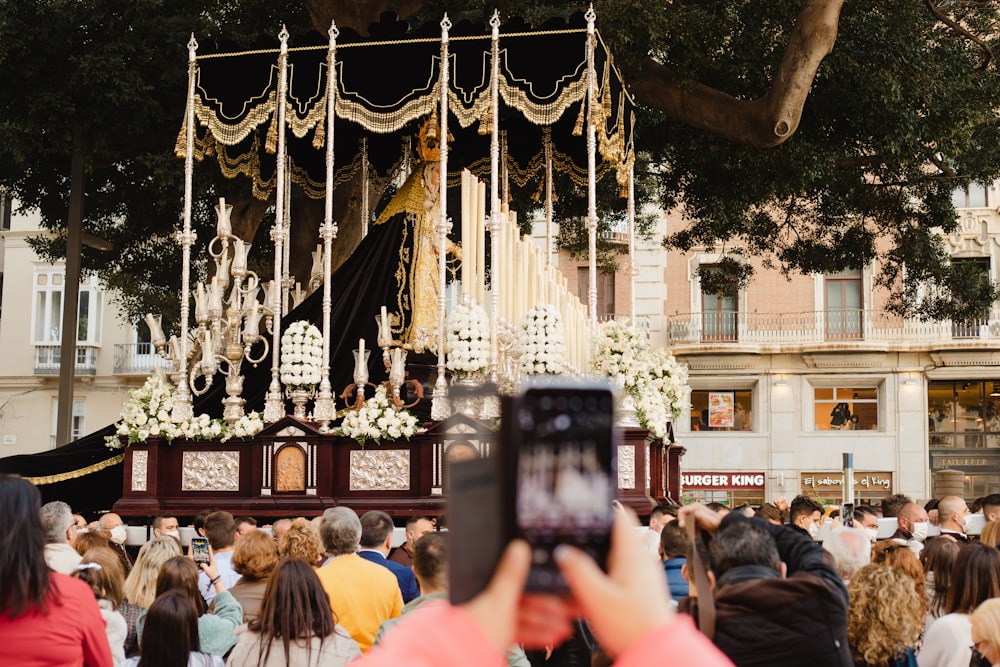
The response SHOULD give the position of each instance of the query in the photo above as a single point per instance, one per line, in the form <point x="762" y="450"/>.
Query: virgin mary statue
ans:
<point x="396" y="266"/>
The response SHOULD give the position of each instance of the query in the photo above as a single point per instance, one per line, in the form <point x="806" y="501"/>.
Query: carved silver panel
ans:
<point x="626" y="466"/>
<point x="380" y="470"/>
<point x="140" y="469"/>
<point x="211" y="471"/>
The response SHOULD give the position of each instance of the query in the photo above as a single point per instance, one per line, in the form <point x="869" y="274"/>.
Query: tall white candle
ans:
<point x="385" y="321"/>
<point x="467" y="241"/>
<point x="361" y="347"/>
<point x="480" y="217"/>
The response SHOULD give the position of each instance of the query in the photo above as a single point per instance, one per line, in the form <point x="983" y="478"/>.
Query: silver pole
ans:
<point x="274" y="404"/>
<point x="439" y="402"/>
<point x="182" y="404"/>
<point x="591" y="170"/>
<point x="632" y="271"/>
<point x="325" y="408"/>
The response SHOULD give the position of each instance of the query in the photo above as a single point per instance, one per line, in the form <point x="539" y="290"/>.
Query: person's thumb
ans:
<point x="590" y="586"/>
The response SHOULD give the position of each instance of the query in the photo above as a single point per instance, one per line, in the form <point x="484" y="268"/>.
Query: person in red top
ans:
<point x="46" y="618"/>
<point x="628" y="609"/>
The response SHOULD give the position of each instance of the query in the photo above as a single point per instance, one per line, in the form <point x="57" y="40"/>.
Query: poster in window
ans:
<point x="720" y="409"/>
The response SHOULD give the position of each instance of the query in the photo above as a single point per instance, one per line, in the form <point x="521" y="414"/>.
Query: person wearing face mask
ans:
<point x="954" y="516"/>
<point x="805" y="514"/>
<point x="912" y="527"/>
<point x="866" y="519"/>
<point x="166" y="524"/>
<point x="113" y="528"/>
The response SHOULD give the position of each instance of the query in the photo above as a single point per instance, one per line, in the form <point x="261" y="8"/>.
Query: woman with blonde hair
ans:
<point x="140" y="584"/>
<point x="254" y="558"/>
<point x="986" y="634"/>
<point x="885" y="618"/>
<point x="301" y="541"/>
<point x="991" y="534"/>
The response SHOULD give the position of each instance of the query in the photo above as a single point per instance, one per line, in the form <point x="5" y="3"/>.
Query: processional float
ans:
<point x="510" y="105"/>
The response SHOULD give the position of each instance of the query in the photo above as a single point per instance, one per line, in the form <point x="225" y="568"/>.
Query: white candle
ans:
<point x="361" y="347"/>
<point x="467" y="242"/>
<point x="480" y="217"/>
<point x="385" y="322"/>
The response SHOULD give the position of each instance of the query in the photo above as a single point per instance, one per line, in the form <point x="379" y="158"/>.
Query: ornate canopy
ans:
<point x="390" y="80"/>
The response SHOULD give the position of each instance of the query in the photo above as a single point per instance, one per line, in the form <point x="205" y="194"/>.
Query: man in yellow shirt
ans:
<point x="363" y="595"/>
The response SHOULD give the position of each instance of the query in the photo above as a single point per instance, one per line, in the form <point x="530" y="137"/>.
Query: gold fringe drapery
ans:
<point x="75" y="474"/>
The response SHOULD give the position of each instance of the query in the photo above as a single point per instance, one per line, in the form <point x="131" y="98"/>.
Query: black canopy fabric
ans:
<point x="388" y="82"/>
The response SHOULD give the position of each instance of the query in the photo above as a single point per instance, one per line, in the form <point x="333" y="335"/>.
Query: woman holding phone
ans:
<point x="216" y="629"/>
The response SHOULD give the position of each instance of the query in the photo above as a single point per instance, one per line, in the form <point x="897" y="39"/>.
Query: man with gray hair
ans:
<point x="851" y="550"/>
<point x="363" y="595"/>
<point x="60" y="531"/>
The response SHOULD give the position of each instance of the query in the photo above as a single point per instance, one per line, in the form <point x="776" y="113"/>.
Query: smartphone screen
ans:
<point x="563" y="436"/>
<point x="199" y="550"/>
<point x="847" y="514"/>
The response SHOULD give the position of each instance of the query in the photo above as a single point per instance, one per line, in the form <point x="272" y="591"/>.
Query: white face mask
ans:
<point x="967" y="523"/>
<point x="920" y="531"/>
<point x="119" y="534"/>
<point x="813" y="530"/>
<point x="173" y="533"/>
<point x="872" y="534"/>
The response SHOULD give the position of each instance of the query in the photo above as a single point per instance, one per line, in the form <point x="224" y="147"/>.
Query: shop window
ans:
<point x="963" y="414"/>
<point x="722" y="410"/>
<point x="846" y="408"/>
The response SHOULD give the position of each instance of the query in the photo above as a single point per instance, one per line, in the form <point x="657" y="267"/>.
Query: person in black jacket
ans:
<point x="779" y="600"/>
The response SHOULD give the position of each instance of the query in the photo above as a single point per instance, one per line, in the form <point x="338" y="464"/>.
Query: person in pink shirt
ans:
<point x="628" y="609"/>
<point x="46" y="618"/>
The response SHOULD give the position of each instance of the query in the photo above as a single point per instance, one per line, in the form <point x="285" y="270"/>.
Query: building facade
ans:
<point x="789" y="374"/>
<point x="110" y="356"/>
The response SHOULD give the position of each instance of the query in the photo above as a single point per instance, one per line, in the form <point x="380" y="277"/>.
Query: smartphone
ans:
<point x="558" y="452"/>
<point x="550" y="480"/>
<point x="847" y="514"/>
<point x="199" y="550"/>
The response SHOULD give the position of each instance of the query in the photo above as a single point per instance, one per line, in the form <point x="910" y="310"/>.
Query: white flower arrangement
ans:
<point x="147" y="413"/>
<point x="377" y="419"/>
<point x="468" y="340"/>
<point x="652" y="377"/>
<point x="541" y="341"/>
<point x="301" y="355"/>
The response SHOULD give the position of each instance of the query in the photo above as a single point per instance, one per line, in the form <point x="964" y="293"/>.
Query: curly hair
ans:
<point x="901" y="558"/>
<point x="301" y="541"/>
<point x="885" y="616"/>
<point x="255" y="556"/>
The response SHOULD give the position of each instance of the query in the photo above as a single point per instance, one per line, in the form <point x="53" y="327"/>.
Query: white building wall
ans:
<point x="27" y="398"/>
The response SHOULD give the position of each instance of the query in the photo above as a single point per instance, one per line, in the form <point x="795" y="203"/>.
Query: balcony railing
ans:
<point x="822" y="327"/>
<point x="48" y="359"/>
<point x="137" y="359"/>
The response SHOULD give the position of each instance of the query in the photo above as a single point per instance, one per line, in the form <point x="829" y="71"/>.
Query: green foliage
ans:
<point x="114" y="72"/>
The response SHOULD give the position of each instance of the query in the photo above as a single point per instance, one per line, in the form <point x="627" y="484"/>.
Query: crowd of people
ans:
<point x="768" y="585"/>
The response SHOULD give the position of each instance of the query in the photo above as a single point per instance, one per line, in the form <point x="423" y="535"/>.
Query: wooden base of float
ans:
<point x="292" y="469"/>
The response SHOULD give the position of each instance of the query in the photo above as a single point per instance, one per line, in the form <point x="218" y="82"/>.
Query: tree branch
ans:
<point x="764" y="122"/>
<point x="960" y="29"/>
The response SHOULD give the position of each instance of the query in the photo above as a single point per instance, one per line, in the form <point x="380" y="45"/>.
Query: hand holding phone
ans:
<point x="199" y="551"/>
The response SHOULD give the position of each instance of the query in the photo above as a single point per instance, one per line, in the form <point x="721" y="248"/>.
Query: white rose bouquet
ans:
<point x="652" y="377"/>
<point x="147" y="413"/>
<point x="377" y="419"/>
<point x="468" y="341"/>
<point x="301" y="355"/>
<point x="541" y="341"/>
